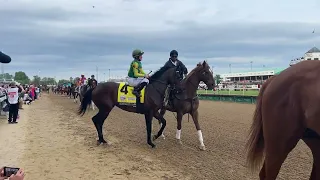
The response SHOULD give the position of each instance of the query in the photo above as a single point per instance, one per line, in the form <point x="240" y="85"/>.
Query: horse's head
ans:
<point x="204" y="74"/>
<point x="167" y="76"/>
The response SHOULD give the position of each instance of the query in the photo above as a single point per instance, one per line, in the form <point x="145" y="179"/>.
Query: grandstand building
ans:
<point x="249" y="76"/>
<point x="312" y="54"/>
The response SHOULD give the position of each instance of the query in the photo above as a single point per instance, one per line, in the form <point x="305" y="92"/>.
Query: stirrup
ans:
<point x="136" y="93"/>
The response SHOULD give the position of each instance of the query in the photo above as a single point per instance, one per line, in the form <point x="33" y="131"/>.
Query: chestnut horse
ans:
<point x="105" y="97"/>
<point x="187" y="102"/>
<point x="287" y="110"/>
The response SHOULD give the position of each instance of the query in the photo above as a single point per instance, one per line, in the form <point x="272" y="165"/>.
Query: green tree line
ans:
<point x="22" y="78"/>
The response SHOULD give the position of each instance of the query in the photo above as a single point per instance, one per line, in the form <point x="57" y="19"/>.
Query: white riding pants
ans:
<point x="136" y="81"/>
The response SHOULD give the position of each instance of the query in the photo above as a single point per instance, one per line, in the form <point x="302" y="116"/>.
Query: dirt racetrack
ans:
<point x="61" y="145"/>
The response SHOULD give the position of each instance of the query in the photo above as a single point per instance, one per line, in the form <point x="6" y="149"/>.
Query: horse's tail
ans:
<point x="255" y="143"/>
<point x="87" y="98"/>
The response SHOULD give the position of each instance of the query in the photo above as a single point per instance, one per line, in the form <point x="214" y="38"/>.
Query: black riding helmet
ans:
<point x="173" y="53"/>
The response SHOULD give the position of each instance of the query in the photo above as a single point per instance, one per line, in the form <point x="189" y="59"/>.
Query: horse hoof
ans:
<point x="152" y="145"/>
<point x="163" y="136"/>
<point x="154" y="137"/>
<point x="102" y="142"/>
<point x="202" y="148"/>
<point x="179" y="141"/>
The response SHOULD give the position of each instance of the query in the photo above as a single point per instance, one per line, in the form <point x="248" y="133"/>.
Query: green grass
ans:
<point x="240" y="93"/>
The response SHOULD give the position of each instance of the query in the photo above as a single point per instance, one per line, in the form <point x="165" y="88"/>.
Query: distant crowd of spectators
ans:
<point x="12" y="97"/>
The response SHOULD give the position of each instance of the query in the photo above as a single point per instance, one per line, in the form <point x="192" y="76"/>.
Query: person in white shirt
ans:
<point x="13" y="99"/>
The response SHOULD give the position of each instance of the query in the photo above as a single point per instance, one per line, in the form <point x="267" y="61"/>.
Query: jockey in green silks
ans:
<point x="137" y="77"/>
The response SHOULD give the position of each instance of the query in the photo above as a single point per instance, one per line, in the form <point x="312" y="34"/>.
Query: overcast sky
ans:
<point x="65" y="38"/>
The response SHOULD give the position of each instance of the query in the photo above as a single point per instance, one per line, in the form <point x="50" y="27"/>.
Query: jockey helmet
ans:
<point x="92" y="76"/>
<point x="136" y="53"/>
<point x="82" y="75"/>
<point x="173" y="53"/>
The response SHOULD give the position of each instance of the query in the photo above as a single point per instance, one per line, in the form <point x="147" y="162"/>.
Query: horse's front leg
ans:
<point x="178" y="133"/>
<point x="162" y="112"/>
<point x="195" y="116"/>
<point x="162" y="123"/>
<point x="148" y="117"/>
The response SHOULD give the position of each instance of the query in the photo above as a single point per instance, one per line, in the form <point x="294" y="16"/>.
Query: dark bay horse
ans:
<point x="105" y="97"/>
<point x="187" y="102"/>
<point x="82" y="91"/>
<point x="75" y="93"/>
<point x="287" y="110"/>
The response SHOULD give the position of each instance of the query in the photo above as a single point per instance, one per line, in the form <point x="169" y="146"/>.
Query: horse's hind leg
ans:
<point x="314" y="145"/>
<point x="163" y="124"/>
<point x="98" y="121"/>
<point x="148" y="117"/>
<point x="278" y="144"/>
<point x="195" y="116"/>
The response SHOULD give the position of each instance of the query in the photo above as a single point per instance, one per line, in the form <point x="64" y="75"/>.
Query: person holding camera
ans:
<point x="17" y="176"/>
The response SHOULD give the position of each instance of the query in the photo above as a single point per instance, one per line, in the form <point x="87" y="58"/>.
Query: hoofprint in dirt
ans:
<point x="225" y="126"/>
<point x="59" y="146"/>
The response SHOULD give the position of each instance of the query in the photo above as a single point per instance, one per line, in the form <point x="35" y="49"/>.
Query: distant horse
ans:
<point x="105" y="96"/>
<point x="287" y="110"/>
<point x="187" y="102"/>
<point x="75" y="93"/>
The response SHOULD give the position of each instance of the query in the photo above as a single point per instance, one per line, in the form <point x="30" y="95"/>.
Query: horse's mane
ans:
<point x="196" y="69"/>
<point x="158" y="74"/>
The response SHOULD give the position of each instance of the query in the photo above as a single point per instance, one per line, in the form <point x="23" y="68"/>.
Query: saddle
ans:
<point x="176" y="93"/>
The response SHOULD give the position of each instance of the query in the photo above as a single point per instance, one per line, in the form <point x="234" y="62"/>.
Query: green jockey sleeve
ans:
<point x="136" y="70"/>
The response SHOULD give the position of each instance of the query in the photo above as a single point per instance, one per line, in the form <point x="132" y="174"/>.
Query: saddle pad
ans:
<point x="125" y="95"/>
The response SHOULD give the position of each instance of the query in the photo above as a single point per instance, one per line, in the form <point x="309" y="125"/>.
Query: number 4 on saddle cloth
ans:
<point x="126" y="98"/>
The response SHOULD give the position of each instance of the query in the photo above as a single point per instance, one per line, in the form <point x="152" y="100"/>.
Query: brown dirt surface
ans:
<point x="52" y="142"/>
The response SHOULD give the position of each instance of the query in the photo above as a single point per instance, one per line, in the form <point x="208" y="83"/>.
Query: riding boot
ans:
<point x="137" y="89"/>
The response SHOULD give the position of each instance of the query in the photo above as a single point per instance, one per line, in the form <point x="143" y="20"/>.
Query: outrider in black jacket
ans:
<point x="180" y="66"/>
<point x="4" y="58"/>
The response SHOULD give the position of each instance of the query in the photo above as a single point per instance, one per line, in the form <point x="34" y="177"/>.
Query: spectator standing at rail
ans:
<point x="32" y="91"/>
<point x="13" y="99"/>
<point x="37" y="90"/>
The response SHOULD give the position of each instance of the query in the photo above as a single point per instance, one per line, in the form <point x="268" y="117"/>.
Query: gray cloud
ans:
<point x="40" y="39"/>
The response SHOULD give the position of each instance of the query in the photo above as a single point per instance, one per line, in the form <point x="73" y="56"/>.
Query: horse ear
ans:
<point x="204" y="63"/>
<point x="199" y="64"/>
